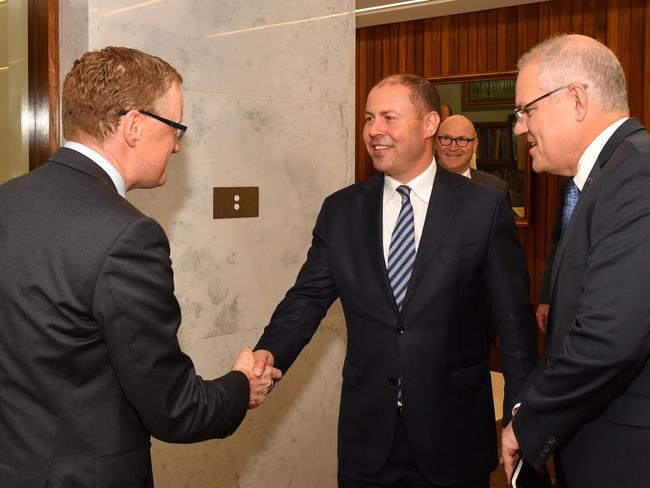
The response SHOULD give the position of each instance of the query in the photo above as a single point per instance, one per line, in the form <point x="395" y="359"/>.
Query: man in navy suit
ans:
<point x="589" y="406"/>
<point x="416" y="401"/>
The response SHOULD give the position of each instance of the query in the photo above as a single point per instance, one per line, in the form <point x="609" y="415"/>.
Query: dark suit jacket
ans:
<point x="543" y="295"/>
<point x="438" y="345"/>
<point x="488" y="179"/>
<point x="591" y="403"/>
<point x="89" y="361"/>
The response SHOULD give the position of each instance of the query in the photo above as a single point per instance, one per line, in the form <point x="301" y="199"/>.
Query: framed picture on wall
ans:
<point x="492" y="93"/>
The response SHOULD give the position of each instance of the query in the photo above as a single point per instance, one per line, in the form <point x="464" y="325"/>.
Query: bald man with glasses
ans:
<point x="456" y="146"/>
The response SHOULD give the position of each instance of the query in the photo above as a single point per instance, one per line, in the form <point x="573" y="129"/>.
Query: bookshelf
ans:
<point x="502" y="154"/>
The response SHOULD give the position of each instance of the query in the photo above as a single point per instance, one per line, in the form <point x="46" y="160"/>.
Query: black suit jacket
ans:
<point x="89" y="361"/>
<point x="591" y="403"/>
<point x="438" y="345"/>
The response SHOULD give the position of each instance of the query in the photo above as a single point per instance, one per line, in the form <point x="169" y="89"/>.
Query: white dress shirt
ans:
<point x="102" y="162"/>
<point x="589" y="157"/>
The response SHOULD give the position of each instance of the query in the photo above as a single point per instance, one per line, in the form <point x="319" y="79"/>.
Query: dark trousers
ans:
<point x="400" y="470"/>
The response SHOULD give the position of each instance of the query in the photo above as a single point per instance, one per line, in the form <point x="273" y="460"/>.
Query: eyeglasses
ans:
<point x="180" y="128"/>
<point x="460" y="141"/>
<point x="521" y="113"/>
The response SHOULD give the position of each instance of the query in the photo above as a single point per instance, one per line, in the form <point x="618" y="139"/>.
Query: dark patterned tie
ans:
<point x="401" y="253"/>
<point x="570" y="199"/>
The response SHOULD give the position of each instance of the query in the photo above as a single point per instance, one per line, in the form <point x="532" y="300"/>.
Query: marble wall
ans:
<point x="269" y="95"/>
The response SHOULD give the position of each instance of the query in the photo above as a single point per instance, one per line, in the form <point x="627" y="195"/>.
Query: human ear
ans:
<point x="131" y="127"/>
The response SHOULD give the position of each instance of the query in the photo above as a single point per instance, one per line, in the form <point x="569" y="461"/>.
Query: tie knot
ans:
<point x="404" y="190"/>
<point x="572" y="190"/>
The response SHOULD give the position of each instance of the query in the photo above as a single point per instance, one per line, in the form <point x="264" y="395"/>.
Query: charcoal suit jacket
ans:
<point x="90" y="365"/>
<point x="438" y="345"/>
<point x="590" y="404"/>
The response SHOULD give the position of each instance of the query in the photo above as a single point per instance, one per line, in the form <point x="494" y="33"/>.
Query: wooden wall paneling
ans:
<point x="490" y="46"/>
<point x="481" y="48"/>
<point x="463" y="43"/>
<point x="393" y="41"/>
<point x="576" y="16"/>
<point x="588" y="18"/>
<point x="444" y="45"/>
<point x="565" y="17"/>
<point x="453" y="44"/>
<point x="402" y="48"/>
<point x="635" y="73"/>
<point x="418" y="54"/>
<point x="435" y="62"/>
<point x="501" y="43"/>
<point x="532" y="13"/>
<point x="543" y="21"/>
<point x="612" y="25"/>
<point x="472" y="43"/>
<point x="385" y="50"/>
<point x="43" y="79"/>
<point x="427" y="53"/>
<point x="522" y="17"/>
<point x="600" y="21"/>
<point x="553" y="17"/>
<point x="623" y="38"/>
<point x="512" y="36"/>
<point x="410" y="46"/>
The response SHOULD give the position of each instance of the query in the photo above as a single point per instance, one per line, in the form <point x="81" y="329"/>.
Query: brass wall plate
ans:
<point x="236" y="202"/>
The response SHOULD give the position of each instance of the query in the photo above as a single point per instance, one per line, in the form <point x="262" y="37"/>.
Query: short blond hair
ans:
<point x="104" y="84"/>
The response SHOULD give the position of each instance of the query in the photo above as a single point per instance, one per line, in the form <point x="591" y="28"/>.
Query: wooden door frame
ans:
<point x="43" y="76"/>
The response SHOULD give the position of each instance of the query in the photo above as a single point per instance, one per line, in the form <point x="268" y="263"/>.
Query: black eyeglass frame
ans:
<point x="456" y="139"/>
<point x="519" y="112"/>
<point x="180" y="128"/>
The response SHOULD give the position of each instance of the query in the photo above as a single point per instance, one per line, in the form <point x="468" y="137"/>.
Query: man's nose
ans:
<point x="520" y="128"/>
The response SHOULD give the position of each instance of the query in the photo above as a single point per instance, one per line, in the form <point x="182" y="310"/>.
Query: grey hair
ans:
<point x="565" y="59"/>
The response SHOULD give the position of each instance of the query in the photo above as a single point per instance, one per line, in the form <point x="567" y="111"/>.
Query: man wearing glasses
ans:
<point x="456" y="146"/>
<point x="589" y="406"/>
<point x="90" y="365"/>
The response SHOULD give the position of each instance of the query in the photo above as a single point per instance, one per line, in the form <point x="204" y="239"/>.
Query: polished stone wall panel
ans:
<point x="269" y="93"/>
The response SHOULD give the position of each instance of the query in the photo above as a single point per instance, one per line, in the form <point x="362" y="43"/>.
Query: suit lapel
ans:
<point x="370" y="207"/>
<point x="625" y="130"/>
<point x="443" y="204"/>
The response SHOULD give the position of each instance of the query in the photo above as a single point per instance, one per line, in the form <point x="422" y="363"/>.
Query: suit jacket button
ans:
<point x="401" y="330"/>
<point x="392" y="381"/>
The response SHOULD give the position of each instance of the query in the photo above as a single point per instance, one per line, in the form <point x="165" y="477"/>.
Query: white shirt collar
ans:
<point x="102" y="162"/>
<point x="421" y="185"/>
<point x="589" y="157"/>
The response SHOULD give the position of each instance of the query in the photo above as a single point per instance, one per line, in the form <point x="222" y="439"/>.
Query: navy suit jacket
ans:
<point x="591" y="401"/>
<point x="438" y="344"/>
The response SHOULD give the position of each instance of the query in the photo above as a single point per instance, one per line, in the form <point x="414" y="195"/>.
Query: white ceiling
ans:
<point x="425" y="9"/>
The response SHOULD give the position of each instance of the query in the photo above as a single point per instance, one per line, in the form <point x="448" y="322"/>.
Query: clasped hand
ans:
<point x="258" y="368"/>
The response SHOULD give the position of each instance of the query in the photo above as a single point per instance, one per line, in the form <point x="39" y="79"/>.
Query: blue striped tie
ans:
<point x="570" y="199"/>
<point x="401" y="253"/>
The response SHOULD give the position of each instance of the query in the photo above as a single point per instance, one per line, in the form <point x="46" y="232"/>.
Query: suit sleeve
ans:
<point x="609" y="341"/>
<point x="298" y="315"/>
<point x="508" y="283"/>
<point x="138" y="317"/>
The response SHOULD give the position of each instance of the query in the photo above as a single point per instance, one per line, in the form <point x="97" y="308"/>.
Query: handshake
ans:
<point x="258" y="368"/>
